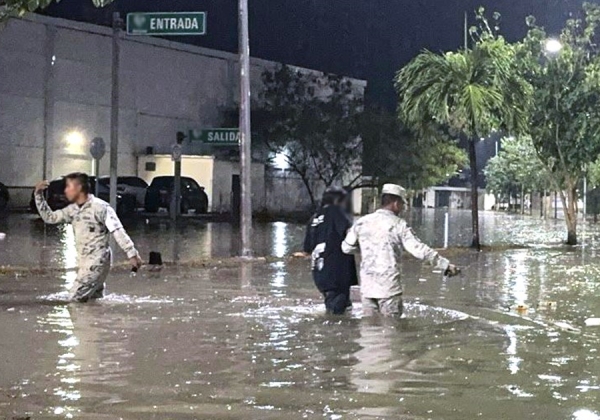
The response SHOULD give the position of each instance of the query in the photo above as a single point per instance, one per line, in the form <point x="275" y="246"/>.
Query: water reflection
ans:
<point x="67" y="368"/>
<point x="280" y="239"/>
<point x="193" y="239"/>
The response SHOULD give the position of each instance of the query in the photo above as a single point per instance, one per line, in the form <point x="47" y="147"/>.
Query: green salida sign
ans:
<point x="176" y="23"/>
<point x="216" y="136"/>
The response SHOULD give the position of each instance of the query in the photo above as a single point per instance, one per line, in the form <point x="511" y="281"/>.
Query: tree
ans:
<point x="516" y="168"/>
<point x="318" y="125"/>
<point x="469" y="93"/>
<point x="313" y="122"/>
<point x="565" y="110"/>
<point x="392" y="153"/>
<point x="20" y="7"/>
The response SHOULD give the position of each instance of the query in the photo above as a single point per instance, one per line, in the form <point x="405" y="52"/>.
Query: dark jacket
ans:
<point x="332" y="269"/>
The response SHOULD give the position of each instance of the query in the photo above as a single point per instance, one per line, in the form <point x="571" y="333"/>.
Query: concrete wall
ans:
<point x="55" y="90"/>
<point x="222" y="185"/>
<point x="286" y="193"/>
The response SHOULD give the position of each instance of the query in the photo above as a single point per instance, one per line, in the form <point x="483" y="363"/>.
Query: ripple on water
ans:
<point x="269" y="309"/>
<point x="111" y="298"/>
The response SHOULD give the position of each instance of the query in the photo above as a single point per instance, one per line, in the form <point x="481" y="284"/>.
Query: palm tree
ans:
<point x="468" y="93"/>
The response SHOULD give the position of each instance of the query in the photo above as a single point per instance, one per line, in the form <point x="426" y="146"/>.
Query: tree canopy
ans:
<point x="516" y="168"/>
<point x="20" y="7"/>
<point x="395" y="154"/>
<point x="318" y="125"/>
<point x="469" y="93"/>
<point x="565" y="107"/>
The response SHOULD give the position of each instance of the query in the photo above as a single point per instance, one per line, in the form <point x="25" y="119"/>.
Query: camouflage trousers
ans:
<point x="89" y="284"/>
<point x="389" y="307"/>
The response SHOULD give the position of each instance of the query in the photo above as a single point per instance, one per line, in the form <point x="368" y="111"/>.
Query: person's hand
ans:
<point x="41" y="186"/>
<point x="452" y="271"/>
<point x="136" y="262"/>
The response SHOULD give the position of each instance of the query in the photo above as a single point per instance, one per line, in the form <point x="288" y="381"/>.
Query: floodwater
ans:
<point x="505" y="340"/>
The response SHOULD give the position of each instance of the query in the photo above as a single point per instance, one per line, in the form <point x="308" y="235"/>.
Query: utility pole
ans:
<point x="466" y="32"/>
<point x="114" y="104"/>
<point x="245" y="140"/>
<point x="49" y="59"/>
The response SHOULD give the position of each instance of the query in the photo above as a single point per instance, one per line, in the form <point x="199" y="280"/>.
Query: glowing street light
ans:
<point x="553" y="46"/>
<point x="74" y="139"/>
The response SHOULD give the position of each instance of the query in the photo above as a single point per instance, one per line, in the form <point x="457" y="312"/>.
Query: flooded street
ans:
<point x="505" y="340"/>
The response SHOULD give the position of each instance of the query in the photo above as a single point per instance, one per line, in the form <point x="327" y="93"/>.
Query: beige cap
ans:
<point x="394" y="189"/>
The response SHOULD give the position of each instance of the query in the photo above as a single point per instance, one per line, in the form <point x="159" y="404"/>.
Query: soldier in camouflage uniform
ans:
<point x="93" y="222"/>
<point x="380" y="237"/>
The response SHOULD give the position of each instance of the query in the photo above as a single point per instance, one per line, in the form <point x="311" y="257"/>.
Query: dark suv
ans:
<point x="55" y="196"/>
<point x="160" y="191"/>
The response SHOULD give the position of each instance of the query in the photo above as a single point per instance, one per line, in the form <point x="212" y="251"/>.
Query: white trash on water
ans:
<point x="592" y="322"/>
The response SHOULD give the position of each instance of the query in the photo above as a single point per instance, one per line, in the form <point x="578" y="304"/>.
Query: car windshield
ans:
<point x="163" y="182"/>
<point x="132" y="181"/>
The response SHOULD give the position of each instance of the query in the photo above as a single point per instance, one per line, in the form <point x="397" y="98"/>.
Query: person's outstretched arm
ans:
<point x="350" y="243"/>
<point x="309" y="244"/>
<point x="418" y="249"/>
<point x="115" y="227"/>
<point x="46" y="213"/>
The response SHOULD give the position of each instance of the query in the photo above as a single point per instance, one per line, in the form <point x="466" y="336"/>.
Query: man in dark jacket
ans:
<point x="333" y="271"/>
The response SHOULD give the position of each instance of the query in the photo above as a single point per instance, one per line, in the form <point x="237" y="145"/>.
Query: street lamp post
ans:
<point x="552" y="47"/>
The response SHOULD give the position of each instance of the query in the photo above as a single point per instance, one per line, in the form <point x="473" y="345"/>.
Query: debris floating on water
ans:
<point x="546" y="304"/>
<point x="592" y="322"/>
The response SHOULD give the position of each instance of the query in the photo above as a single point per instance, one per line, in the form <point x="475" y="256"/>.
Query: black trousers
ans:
<point x="337" y="301"/>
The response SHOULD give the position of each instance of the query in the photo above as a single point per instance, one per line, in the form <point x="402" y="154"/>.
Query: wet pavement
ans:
<point x="506" y="340"/>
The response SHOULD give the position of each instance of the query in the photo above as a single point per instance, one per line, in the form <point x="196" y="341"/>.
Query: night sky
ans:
<point x="368" y="39"/>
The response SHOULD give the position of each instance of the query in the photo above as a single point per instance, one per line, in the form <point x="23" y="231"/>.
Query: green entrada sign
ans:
<point x="177" y="23"/>
<point x="217" y="136"/>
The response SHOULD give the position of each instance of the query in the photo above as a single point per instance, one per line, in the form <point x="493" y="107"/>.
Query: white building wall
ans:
<point x="55" y="78"/>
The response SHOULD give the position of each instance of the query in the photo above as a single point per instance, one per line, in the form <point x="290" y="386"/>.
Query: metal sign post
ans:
<point x="97" y="150"/>
<point x="176" y="154"/>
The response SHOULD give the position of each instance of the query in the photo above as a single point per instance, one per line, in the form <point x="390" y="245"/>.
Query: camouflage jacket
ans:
<point x="380" y="237"/>
<point x="93" y="223"/>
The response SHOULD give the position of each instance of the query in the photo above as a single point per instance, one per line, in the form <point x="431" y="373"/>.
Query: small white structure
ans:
<point x="455" y="198"/>
<point x="216" y="176"/>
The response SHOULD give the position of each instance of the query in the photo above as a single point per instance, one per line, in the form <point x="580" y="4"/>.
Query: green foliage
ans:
<point x="394" y="154"/>
<point x="318" y="124"/>
<point x="468" y="93"/>
<point x="516" y="168"/>
<point x="471" y="92"/>
<point x="10" y="8"/>
<point x="565" y="116"/>
<point x="565" y="110"/>
<point x="313" y="122"/>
